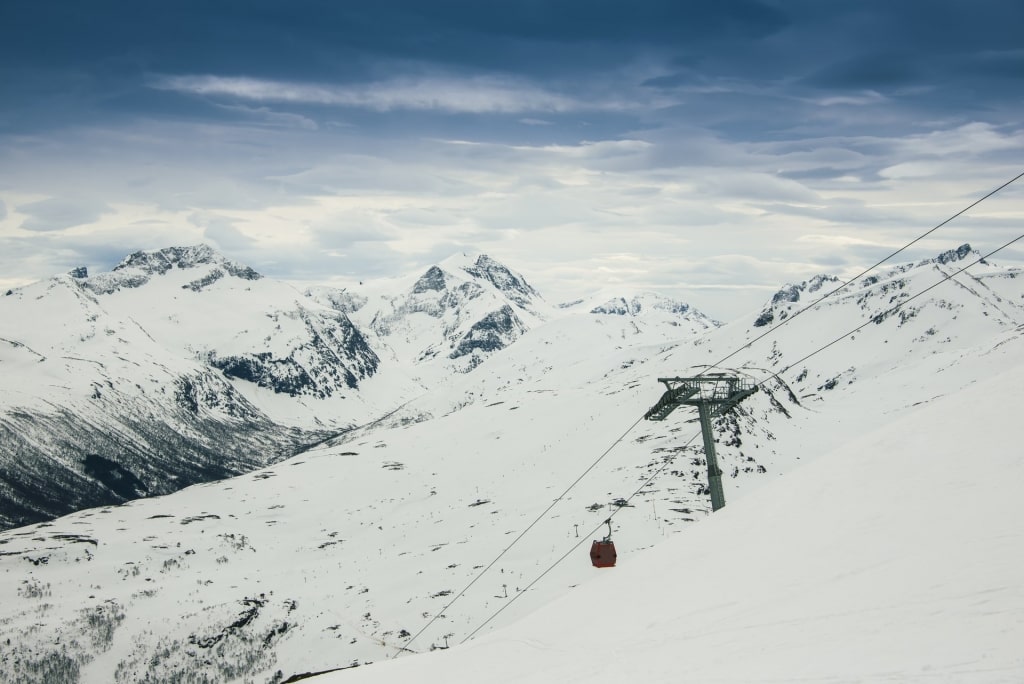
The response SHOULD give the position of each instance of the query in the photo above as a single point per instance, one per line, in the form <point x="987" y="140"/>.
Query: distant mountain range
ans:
<point x="445" y="451"/>
<point x="181" y="366"/>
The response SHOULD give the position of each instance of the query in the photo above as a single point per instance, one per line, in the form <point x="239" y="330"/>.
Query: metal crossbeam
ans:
<point x="713" y="394"/>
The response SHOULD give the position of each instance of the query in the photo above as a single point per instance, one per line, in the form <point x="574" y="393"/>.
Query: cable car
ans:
<point x="602" y="553"/>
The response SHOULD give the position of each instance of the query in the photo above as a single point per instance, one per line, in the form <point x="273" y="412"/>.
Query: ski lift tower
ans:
<point x="713" y="394"/>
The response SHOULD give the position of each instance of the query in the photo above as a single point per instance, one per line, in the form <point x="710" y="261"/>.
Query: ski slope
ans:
<point x="894" y="558"/>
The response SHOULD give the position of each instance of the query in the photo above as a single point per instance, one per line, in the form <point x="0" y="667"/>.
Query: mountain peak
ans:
<point x="159" y="261"/>
<point x="951" y="255"/>
<point x="783" y="300"/>
<point x="136" y="269"/>
<point x="633" y="305"/>
<point x="432" y="280"/>
<point x="511" y="284"/>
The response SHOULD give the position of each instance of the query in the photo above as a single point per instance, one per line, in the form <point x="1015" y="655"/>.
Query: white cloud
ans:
<point x="477" y="94"/>
<point x="971" y="139"/>
<point x="868" y="97"/>
<point x="681" y="204"/>
<point x="59" y="213"/>
<point x="269" y="117"/>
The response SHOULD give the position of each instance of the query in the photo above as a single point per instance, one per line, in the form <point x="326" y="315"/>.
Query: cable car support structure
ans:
<point x="714" y="394"/>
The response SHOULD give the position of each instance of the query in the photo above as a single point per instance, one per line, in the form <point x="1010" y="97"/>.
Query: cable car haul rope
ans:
<point x="602" y="552"/>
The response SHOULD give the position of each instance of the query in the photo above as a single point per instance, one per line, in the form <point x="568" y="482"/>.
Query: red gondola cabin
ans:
<point x="602" y="553"/>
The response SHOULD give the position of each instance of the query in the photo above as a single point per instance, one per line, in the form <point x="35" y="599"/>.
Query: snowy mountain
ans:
<point x="340" y="555"/>
<point x="177" y="367"/>
<point x="205" y="306"/>
<point x="181" y="366"/>
<point x="449" y="319"/>
<point x="648" y="313"/>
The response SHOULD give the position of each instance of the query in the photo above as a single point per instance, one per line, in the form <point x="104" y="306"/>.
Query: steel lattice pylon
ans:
<point x="713" y="394"/>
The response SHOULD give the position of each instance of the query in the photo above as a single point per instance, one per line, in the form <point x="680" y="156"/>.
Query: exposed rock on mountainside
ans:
<point x="137" y="269"/>
<point x="650" y="302"/>
<point x="782" y="302"/>
<point x="494" y="331"/>
<point x="148" y="375"/>
<point x="511" y="285"/>
<point x="452" y="317"/>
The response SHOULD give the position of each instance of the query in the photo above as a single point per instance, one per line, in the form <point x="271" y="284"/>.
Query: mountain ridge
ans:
<point x="230" y="355"/>
<point x="383" y="524"/>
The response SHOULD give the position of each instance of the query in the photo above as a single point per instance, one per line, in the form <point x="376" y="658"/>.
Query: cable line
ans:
<point x="874" y="319"/>
<point x="708" y="368"/>
<point x="878" y="318"/>
<point x="521" y="535"/>
<point x="583" y="540"/>
<point x="864" y="272"/>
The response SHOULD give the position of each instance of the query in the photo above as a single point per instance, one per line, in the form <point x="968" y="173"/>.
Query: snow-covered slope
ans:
<point x="95" y="411"/>
<point x="896" y="557"/>
<point x="339" y="555"/>
<point x="179" y="366"/>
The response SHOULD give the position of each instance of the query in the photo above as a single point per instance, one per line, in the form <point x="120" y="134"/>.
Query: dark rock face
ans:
<point x="80" y="272"/>
<point x="493" y="332"/>
<point x="209" y="279"/>
<point x="334" y="357"/>
<point x="819" y="281"/>
<point x="620" y="306"/>
<point x="431" y="281"/>
<point x="162" y="260"/>
<point x="790" y="294"/>
<point x="65" y="461"/>
<point x="116" y="477"/>
<point x="952" y="255"/>
<point x="136" y="269"/>
<point x="514" y="287"/>
<point x="283" y="376"/>
<point x="616" y="307"/>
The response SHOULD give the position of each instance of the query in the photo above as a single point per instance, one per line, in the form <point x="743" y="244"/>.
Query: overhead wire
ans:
<point x="873" y="319"/>
<point x="878" y="318"/>
<point x="749" y="343"/>
<point x="522" y="534"/>
<point x="582" y="540"/>
<point x="860" y="275"/>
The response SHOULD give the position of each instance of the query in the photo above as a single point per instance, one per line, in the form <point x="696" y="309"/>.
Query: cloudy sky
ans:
<point x="712" y="150"/>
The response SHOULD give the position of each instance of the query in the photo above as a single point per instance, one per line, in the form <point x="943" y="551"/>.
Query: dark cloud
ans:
<point x="675" y="80"/>
<point x="883" y="71"/>
<point x="1007" y="64"/>
<point x="336" y="39"/>
<point x="64" y="62"/>
<point x="58" y="213"/>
